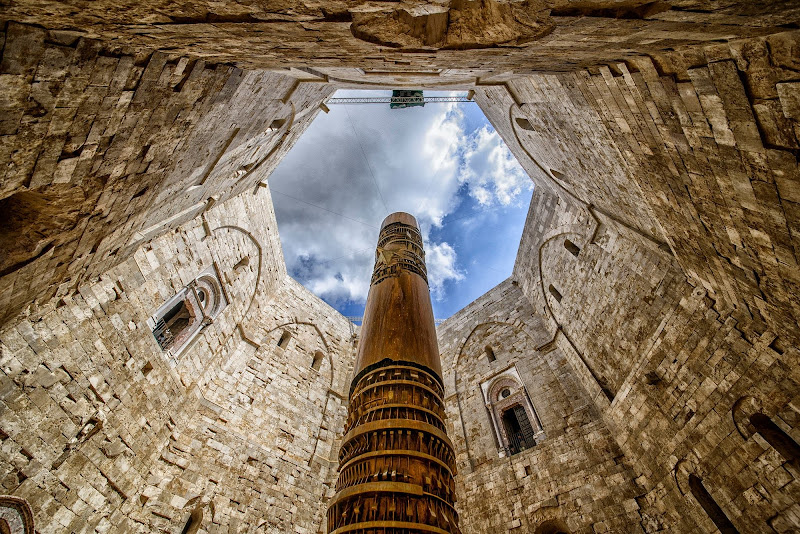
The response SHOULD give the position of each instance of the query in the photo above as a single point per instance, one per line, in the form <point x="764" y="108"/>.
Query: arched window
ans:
<point x="490" y="354"/>
<point x="284" y="340"/>
<point x="511" y="413"/>
<point x="174" y="324"/>
<point x="555" y="293"/>
<point x="572" y="247"/>
<point x="777" y="438"/>
<point x="181" y="318"/>
<point x="193" y="523"/>
<point x="710" y="506"/>
<point x="316" y="363"/>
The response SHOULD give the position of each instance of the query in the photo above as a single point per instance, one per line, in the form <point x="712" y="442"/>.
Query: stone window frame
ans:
<point x="750" y="419"/>
<point x="691" y="480"/>
<point x="205" y="299"/>
<point x="317" y="360"/>
<point x="496" y="405"/>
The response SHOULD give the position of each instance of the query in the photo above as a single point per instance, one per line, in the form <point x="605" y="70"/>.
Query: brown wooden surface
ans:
<point x="396" y="463"/>
<point x="398" y="319"/>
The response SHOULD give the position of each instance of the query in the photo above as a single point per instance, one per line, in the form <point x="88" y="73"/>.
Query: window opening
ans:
<point x="710" y="506"/>
<point x="176" y="323"/>
<point x="777" y="438"/>
<point x="244" y="262"/>
<point x="317" y="362"/>
<point x="511" y="414"/>
<point x="284" y="340"/>
<point x="193" y="523"/>
<point x="572" y="247"/>
<point x="490" y="354"/>
<point x="524" y="123"/>
<point x="555" y="293"/>
<point x="518" y="429"/>
<point x="172" y="324"/>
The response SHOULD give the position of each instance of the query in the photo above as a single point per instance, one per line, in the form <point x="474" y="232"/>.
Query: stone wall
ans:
<point x="354" y="40"/>
<point x="575" y="475"/>
<point x="101" y="431"/>
<point x="104" y="148"/>
<point x="693" y="152"/>
<point x="132" y="156"/>
<point x="678" y="319"/>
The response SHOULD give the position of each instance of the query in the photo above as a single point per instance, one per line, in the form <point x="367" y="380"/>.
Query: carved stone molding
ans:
<point x="16" y="516"/>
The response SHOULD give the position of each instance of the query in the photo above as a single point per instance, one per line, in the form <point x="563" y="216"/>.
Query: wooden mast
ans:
<point x="396" y="464"/>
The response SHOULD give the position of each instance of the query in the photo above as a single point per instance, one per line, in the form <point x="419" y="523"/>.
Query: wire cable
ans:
<point x="363" y="153"/>
<point x="355" y="252"/>
<point x="325" y="209"/>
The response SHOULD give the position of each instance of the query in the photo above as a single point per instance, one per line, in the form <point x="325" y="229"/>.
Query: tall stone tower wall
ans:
<point x="674" y="312"/>
<point x="102" y="430"/>
<point x="645" y="342"/>
<point x="106" y="148"/>
<point x="574" y="477"/>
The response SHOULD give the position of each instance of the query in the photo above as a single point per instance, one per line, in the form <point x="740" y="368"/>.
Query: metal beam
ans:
<point x="399" y="100"/>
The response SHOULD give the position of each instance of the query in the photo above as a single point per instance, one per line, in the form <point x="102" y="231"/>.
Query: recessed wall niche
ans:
<point x="178" y="321"/>
<point x="512" y="414"/>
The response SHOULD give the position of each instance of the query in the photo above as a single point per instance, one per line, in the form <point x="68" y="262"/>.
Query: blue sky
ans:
<point x="443" y="163"/>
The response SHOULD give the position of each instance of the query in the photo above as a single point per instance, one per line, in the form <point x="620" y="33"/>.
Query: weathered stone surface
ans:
<point x="106" y="150"/>
<point x="323" y="34"/>
<point x="102" y="432"/>
<point x="653" y="305"/>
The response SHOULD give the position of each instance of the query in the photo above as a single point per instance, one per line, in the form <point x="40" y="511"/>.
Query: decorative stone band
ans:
<point x="396" y="464"/>
<point x="16" y="516"/>
<point x="399" y="249"/>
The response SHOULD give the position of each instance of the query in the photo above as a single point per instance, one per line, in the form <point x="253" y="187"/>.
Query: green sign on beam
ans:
<point x="406" y="99"/>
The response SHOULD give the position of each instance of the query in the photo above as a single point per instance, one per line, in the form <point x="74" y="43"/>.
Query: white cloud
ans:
<point x="440" y="259"/>
<point x="419" y="158"/>
<point x="490" y="170"/>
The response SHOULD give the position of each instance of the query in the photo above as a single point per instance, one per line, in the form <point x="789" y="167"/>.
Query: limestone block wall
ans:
<point x="105" y="148"/>
<point x="704" y="140"/>
<point x="576" y="477"/>
<point x="395" y="41"/>
<point x="675" y="415"/>
<point x="101" y="431"/>
<point x="708" y="140"/>
<point x="602" y="288"/>
<point x="287" y="408"/>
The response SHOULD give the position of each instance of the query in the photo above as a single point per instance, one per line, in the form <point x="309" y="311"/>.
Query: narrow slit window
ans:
<point x="572" y="247"/>
<point x="193" y="523"/>
<point x="490" y="354"/>
<point x="524" y="123"/>
<point x="244" y="262"/>
<point x="710" y="506"/>
<point x="777" y="438"/>
<point x="555" y="293"/>
<point x="284" y="340"/>
<point x="316" y="363"/>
